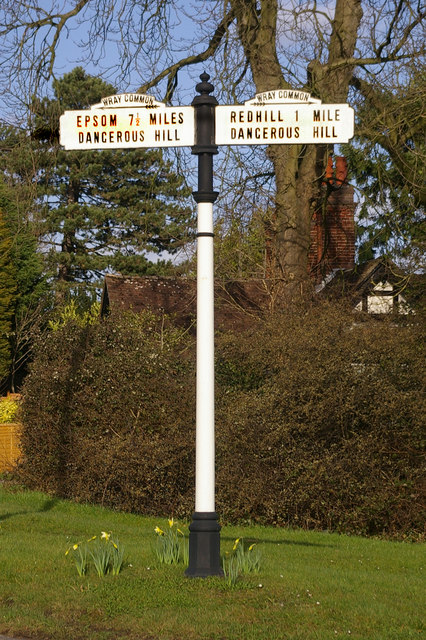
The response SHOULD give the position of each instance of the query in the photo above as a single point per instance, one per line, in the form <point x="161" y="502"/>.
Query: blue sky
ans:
<point x="70" y="53"/>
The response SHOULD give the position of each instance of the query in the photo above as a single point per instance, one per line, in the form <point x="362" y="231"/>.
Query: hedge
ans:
<point x="318" y="413"/>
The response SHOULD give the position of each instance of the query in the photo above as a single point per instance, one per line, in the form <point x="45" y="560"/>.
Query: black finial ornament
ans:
<point x="204" y="86"/>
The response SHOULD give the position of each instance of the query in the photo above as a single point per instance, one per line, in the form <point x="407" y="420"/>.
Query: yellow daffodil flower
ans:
<point x="251" y="546"/>
<point x="236" y="543"/>
<point x="73" y="547"/>
<point x="92" y="538"/>
<point x="159" y="531"/>
<point x="171" y="523"/>
<point x="105" y="536"/>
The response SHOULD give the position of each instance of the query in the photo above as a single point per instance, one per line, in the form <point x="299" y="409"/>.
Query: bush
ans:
<point x="332" y="436"/>
<point x="109" y="415"/>
<point x="8" y="410"/>
<point x="319" y="420"/>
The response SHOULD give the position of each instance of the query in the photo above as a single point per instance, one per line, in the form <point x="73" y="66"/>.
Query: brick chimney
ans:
<point x="333" y="228"/>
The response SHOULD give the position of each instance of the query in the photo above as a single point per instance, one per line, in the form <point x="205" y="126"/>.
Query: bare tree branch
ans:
<point x="386" y="42"/>
<point x="172" y="71"/>
<point x="55" y="22"/>
<point x="254" y="45"/>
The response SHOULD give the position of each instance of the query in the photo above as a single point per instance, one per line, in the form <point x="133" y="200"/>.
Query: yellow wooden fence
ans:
<point x="9" y="445"/>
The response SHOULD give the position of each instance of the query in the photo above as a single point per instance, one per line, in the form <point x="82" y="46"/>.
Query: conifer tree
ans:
<point x="103" y="210"/>
<point x="8" y="295"/>
<point x="387" y="161"/>
<point x="23" y="283"/>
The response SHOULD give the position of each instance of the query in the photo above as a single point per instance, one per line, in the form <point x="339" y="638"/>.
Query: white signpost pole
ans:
<point x="204" y="536"/>
<point x="205" y="436"/>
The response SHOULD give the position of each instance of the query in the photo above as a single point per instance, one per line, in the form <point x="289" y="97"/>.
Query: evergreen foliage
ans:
<point x="240" y="247"/>
<point x="104" y="209"/>
<point x="8" y="293"/>
<point x="387" y="162"/>
<point x="24" y="252"/>
<point x="28" y="289"/>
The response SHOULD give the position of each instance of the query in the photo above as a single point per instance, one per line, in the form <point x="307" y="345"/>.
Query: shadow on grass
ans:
<point x="47" y="505"/>
<point x="251" y="540"/>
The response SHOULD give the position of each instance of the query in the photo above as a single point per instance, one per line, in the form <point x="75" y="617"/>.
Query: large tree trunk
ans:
<point x="296" y="194"/>
<point x="298" y="169"/>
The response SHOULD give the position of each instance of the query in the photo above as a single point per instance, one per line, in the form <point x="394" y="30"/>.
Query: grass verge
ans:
<point x="311" y="585"/>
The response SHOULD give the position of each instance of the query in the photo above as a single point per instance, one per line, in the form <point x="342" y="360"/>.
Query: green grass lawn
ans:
<point x="311" y="585"/>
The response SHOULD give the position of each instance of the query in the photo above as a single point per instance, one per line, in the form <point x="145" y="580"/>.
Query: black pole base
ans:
<point x="204" y="546"/>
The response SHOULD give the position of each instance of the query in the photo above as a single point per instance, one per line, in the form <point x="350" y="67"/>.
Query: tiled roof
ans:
<point x="236" y="302"/>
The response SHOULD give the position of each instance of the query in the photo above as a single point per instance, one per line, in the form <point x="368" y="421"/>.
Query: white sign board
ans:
<point x="127" y="127"/>
<point x="281" y="116"/>
<point x="276" y="119"/>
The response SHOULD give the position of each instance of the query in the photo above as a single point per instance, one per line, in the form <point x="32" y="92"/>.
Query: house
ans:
<point x="375" y="287"/>
<point x="238" y="303"/>
<point x="333" y="228"/>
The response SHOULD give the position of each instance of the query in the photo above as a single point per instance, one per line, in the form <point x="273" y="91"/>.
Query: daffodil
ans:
<point x="159" y="531"/>
<point x="74" y="547"/>
<point x="92" y="538"/>
<point x="236" y="543"/>
<point x="171" y="523"/>
<point x="251" y="546"/>
<point x="105" y="536"/>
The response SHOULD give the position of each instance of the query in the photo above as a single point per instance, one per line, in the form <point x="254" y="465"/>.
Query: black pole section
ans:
<point x="205" y="147"/>
<point x="204" y="530"/>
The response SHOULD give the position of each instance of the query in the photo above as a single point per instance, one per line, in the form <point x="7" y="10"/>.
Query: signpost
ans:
<point x="272" y="119"/>
<point x="152" y="125"/>
<point x="130" y="120"/>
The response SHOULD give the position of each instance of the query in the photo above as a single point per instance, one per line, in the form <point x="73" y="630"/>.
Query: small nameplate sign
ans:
<point x="126" y="100"/>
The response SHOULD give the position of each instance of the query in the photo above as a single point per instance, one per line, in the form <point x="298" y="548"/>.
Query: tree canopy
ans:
<point x="23" y="286"/>
<point x="114" y="209"/>
<point x="388" y="163"/>
<point x="8" y="289"/>
<point x="333" y="49"/>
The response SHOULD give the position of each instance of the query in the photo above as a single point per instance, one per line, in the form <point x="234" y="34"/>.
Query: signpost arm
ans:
<point x="204" y="536"/>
